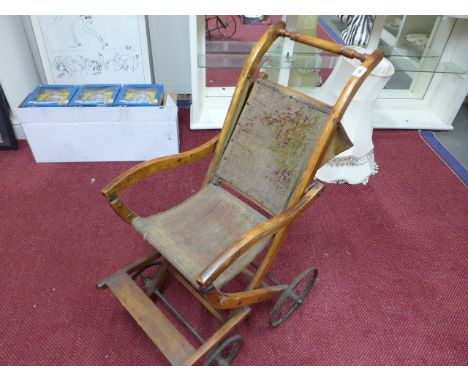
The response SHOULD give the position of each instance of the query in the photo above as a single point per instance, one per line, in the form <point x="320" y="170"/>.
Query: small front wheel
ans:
<point x="293" y="296"/>
<point x="225" y="352"/>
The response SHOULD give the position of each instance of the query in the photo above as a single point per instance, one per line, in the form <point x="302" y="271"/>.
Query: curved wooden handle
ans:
<point x="319" y="43"/>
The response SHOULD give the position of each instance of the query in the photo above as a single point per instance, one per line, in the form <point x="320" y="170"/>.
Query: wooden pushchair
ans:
<point x="261" y="178"/>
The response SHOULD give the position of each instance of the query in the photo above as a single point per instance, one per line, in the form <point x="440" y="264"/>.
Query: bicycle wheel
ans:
<point x="226" y="25"/>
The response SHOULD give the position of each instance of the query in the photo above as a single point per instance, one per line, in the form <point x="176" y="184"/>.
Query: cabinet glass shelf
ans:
<point x="318" y="61"/>
<point x="244" y="47"/>
<point x="233" y="54"/>
<point x="239" y="46"/>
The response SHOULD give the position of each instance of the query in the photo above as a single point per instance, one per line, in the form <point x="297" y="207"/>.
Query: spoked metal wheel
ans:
<point x="226" y="25"/>
<point x="150" y="276"/>
<point x="225" y="352"/>
<point x="293" y="297"/>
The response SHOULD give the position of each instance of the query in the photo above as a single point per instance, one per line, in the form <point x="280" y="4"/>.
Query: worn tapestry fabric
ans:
<point x="198" y="230"/>
<point x="271" y="145"/>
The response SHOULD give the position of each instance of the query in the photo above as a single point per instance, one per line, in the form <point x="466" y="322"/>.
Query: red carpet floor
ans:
<point x="392" y="256"/>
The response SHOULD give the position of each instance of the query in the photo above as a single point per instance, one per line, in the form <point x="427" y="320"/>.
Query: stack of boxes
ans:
<point x="65" y="123"/>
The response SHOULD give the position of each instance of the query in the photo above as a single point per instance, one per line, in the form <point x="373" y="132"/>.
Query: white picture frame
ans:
<point x="100" y="61"/>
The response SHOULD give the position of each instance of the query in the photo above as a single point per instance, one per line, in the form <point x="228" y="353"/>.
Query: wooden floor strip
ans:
<point x="156" y="325"/>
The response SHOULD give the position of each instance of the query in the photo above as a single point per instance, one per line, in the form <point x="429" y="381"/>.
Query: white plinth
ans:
<point x="101" y="134"/>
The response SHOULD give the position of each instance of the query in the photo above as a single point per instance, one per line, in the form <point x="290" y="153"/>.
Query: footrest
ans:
<point x="155" y="324"/>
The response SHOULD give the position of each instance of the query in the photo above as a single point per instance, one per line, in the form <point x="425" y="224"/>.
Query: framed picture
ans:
<point x="85" y="49"/>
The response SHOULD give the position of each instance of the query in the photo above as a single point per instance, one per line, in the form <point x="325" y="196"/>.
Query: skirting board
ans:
<point x="383" y="119"/>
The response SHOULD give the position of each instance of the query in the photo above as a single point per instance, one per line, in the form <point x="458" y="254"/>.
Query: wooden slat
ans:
<point x="155" y="324"/>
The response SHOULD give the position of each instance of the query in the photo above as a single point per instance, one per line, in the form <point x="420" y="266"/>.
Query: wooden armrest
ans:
<point x="154" y="166"/>
<point x="261" y="231"/>
<point x="148" y="168"/>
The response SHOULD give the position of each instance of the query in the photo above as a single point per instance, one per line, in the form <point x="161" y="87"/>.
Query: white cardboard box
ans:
<point x="100" y="134"/>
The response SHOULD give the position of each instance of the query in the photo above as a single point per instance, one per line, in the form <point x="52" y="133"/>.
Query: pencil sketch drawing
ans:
<point x="85" y="21"/>
<point x="69" y="66"/>
<point x="95" y="49"/>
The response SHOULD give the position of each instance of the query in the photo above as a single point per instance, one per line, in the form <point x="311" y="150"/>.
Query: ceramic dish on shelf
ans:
<point x="417" y="40"/>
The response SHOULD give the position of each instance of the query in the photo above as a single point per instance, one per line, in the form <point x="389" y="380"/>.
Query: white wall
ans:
<point x="18" y="74"/>
<point x="170" y="49"/>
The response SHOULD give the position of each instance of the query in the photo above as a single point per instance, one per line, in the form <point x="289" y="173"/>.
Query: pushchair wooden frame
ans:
<point x="177" y="349"/>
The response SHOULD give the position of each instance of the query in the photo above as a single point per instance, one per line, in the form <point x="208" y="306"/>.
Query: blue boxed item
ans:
<point x="50" y="95"/>
<point x="140" y="95"/>
<point x="95" y="95"/>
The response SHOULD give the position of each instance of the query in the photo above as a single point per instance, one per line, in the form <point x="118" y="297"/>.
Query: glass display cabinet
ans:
<point x="429" y="53"/>
<point x="415" y="45"/>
